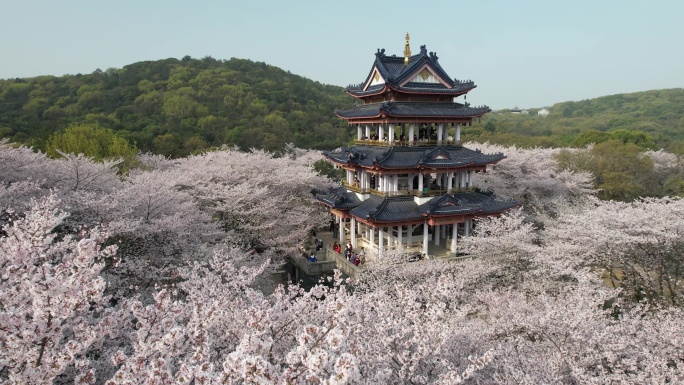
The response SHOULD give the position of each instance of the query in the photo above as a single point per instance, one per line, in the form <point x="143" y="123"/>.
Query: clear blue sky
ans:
<point x="519" y="53"/>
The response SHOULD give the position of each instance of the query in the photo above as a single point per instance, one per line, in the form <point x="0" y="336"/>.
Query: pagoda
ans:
<point x="408" y="183"/>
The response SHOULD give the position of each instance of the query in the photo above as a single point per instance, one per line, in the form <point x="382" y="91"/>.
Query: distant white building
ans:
<point x="543" y="112"/>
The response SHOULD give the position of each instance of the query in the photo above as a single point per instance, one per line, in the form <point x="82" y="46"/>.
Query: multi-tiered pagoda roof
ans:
<point x="407" y="173"/>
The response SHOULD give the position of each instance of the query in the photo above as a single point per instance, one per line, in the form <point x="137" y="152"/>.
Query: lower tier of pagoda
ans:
<point x="407" y="214"/>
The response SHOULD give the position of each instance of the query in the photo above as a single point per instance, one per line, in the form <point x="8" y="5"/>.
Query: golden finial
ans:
<point x="407" y="49"/>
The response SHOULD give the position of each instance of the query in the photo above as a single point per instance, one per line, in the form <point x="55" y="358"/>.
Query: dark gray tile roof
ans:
<point x="412" y="157"/>
<point x="404" y="209"/>
<point x="414" y="109"/>
<point x="379" y="209"/>
<point x="337" y="198"/>
<point x="393" y="70"/>
<point x="465" y="203"/>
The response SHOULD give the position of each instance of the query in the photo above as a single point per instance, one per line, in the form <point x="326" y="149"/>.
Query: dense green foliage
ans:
<point x="651" y="119"/>
<point x="177" y="107"/>
<point x="92" y="140"/>
<point x="620" y="171"/>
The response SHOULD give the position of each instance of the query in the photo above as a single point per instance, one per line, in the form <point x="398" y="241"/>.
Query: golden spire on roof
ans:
<point x="407" y="49"/>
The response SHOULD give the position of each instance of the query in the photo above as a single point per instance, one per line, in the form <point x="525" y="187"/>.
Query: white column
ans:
<point x="454" y="239"/>
<point x="458" y="132"/>
<point x="341" y="231"/>
<point x="440" y="130"/>
<point x="390" y="137"/>
<point x="420" y="182"/>
<point x="411" y="132"/>
<point x="470" y="179"/>
<point x="381" y="132"/>
<point x="400" y="235"/>
<point x="352" y="232"/>
<point x="467" y="224"/>
<point x="450" y="184"/>
<point x="436" y="232"/>
<point x="409" y="234"/>
<point x="425" y="238"/>
<point x="463" y="179"/>
<point x="372" y="237"/>
<point x="396" y="182"/>
<point x="381" y="235"/>
<point x="367" y="131"/>
<point x="358" y="132"/>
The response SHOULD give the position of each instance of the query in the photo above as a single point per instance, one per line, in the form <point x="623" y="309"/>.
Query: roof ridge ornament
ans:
<point x="407" y="50"/>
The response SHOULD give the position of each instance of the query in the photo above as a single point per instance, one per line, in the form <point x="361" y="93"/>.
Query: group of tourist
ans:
<point x="354" y="258"/>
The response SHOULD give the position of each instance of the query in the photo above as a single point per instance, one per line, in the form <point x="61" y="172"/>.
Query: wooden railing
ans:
<point x="408" y="143"/>
<point x="419" y="193"/>
<point x="355" y="188"/>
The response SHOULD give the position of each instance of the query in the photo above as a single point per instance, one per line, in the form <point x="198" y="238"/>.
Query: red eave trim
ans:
<point x="405" y="92"/>
<point x="383" y="90"/>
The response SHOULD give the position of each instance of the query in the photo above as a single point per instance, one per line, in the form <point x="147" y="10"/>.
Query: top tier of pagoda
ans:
<point x="410" y="89"/>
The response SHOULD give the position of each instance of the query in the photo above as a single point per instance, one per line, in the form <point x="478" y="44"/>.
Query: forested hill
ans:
<point x="176" y="107"/>
<point x="653" y="119"/>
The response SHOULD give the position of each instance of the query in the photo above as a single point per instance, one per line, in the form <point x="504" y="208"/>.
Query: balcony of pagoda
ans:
<point x="425" y="192"/>
<point x="355" y="188"/>
<point x="410" y="143"/>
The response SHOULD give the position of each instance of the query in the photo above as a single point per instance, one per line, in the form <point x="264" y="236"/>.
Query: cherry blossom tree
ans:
<point x="220" y="330"/>
<point x="51" y="298"/>
<point x="200" y="233"/>
<point x="639" y="244"/>
<point x="533" y="177"/>
<point x="262" y="200"/>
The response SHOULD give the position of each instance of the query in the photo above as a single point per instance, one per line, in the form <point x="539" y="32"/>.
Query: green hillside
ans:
<point x="651" y="119"/>
<point x="176" y="107"/>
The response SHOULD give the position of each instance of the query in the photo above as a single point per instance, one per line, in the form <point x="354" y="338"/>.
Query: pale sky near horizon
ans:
<point x="519" y="53"/>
